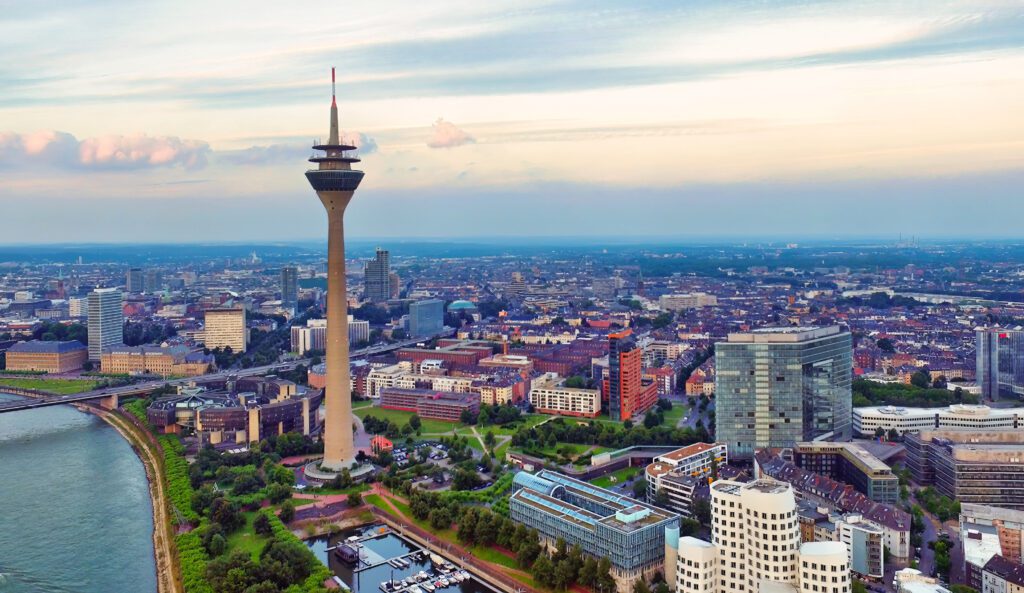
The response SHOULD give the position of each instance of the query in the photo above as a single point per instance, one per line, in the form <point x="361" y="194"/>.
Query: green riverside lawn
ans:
<point x="61" y="386"/>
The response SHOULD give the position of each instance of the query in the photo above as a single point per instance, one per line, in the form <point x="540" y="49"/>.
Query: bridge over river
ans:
<point x="108" y="397"/>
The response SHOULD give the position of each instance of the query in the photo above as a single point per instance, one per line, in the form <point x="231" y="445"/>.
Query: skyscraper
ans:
<point x="626" y="393"/>
<point x="377" y="277"/>
<point x="1000" y="362"/>
<point x="335" y="182"/>
<point x="779" y="386"/>
<point x="133" y="280"/>
<point x="426" y="318"/>
<point x="152" y="281"/>
<point x="105" y="321"/>
<point x="289" y="287"/>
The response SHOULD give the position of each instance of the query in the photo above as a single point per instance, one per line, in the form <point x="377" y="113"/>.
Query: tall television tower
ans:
<point x="335" y="181"/>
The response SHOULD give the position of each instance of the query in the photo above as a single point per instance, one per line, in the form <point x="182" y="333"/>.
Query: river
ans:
<point x="75" y="512"/>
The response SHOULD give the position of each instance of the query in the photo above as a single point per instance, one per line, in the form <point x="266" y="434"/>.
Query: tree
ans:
<point x="439" y="518"/>
<point x="859" y="587"/>
<point x="640" y="586"/>
<point x="886" y="345"/>
<point x="940" y="382"/>
<point x="702" y="511"/>
<point x="921" y="379"/>
<point x="576" y="382"/>
<point x="879" y="433"/>
<point x="355" y="499"/>
<point x="894" y="435"/>
<point x="261" y="525"/>
<point x="217" y="545"/>
<point x="588" y="572"/>
<point x="639" y="488"/>
<point x="543" y="571"/>
<point x="287" y="512"/>
<point x="661" y="498"/>
<point x="489" y="439"/>
<point x="415" y="422"/>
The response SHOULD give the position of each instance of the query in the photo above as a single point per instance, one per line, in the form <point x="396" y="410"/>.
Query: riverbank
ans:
<point x="147" y="449"/>
<point x="168" y="571"/>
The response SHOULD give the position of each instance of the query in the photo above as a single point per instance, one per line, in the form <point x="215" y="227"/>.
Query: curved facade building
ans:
<point x="824" y="568"/>
<point x="238" y="412"/>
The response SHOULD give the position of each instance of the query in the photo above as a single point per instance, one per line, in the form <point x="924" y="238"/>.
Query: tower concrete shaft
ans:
<point x="335" y="183"/>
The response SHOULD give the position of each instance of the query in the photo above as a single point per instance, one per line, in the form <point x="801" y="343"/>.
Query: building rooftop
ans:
<point x="41" y="347"/>
<point x="1006" y="569"/>
<point x="784" y="334"/>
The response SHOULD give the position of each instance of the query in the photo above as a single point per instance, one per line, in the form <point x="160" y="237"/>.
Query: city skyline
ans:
<point x="795" y="119"/>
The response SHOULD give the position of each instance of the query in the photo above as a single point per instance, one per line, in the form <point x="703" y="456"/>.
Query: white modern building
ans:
<point x="314" y="335"/>
<point x="757" y="548"/>
<point x="867" y="420"/>
<point x="679" y="472"/>
<point x="549" y="395"/>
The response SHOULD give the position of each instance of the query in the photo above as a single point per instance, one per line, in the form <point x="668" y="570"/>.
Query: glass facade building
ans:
<point x="779" y="386"/>
<point x="289" y="287"/>
<point x="426" y="318"/>
<point x="377" y="277"/>
<point x="1000" y="362"/>
<point x="603" y="523"/>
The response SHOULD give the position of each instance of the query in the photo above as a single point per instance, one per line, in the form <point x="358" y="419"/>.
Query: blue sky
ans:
<point x="129" y="121"/>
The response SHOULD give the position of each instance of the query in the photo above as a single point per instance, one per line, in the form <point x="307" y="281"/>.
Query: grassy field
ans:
<point x="246" y="538"/>
<point x="361" y="404"/>
<point x="401" y="417"/>
<point x="61" y="386"/>
<point x="620" y="476"/>
<point x="493" y="556"/>
<point x="673" y="416"/>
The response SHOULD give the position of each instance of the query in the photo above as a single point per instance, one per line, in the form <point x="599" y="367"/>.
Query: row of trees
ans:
<point x="871" y="393"/>
<point x="604" y="434"/>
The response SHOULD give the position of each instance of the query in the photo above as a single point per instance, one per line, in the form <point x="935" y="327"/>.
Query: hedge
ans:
<point x="315" y="582"/>
<point x="179" y="488"/>
<point x="137" y="408"/>
<point x="193" y="560"/>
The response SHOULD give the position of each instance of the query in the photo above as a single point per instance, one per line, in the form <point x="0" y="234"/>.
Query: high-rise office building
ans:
<point x="756" y="546"/>
<point x="377" y="277"/>
<point x="289" y="287"/>
<point x="625" y="391"/>
<point x="133" y="280"/>
<point x="776" y="387"/>
<point x="426" y="318"/>
<point x="226" y="328"/>
<point x="105" y="321"/>
<point x="1000" y="362"/>
<point x="152" y="281"/>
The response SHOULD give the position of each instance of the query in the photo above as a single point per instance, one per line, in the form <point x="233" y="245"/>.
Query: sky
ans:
<point x="192" y="121"/>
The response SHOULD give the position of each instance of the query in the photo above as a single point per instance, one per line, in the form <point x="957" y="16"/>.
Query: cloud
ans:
<point x="133" y="152"/>
<point x="448" y="135"/>
<point x="292" y="152"/>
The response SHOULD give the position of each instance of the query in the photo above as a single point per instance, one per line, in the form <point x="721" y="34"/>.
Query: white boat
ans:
<point x="428" y="587"/>
<point x="445" y="582"/>
<point x="415" y="589"/>
<point x="465" y="575"/>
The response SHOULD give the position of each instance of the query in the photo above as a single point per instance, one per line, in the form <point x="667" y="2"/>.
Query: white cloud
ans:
<point x="448" y="135"/>
<point x="137" y="151"/>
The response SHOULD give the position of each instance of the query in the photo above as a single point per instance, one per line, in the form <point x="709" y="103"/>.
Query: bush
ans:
<point x="193" y="560"/>
<point x="179" y="487"/>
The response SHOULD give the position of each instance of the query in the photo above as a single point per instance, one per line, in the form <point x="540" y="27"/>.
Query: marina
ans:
<point x="375" y="559"/>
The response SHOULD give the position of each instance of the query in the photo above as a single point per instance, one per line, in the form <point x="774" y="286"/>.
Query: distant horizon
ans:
<point x="751" y="119"/>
